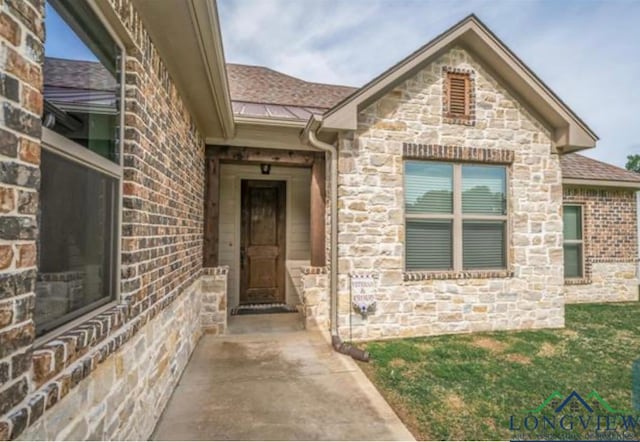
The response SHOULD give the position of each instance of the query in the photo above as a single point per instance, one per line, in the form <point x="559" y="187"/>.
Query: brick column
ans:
<point x="21" y="58"/>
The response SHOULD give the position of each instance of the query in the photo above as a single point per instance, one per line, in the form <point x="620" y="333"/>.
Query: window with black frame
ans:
<point x="80" y="166"/>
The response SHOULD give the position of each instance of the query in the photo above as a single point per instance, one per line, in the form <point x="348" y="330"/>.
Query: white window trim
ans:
<point x="71" y="150"/>
<point x="458" y="217"/>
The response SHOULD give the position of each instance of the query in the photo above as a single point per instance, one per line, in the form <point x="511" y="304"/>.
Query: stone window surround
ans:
<point x="461" y="154"/>
<point x="471" y="120"/>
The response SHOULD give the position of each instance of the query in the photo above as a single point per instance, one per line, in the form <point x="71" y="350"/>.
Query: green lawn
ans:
<point x="468" y="386"/>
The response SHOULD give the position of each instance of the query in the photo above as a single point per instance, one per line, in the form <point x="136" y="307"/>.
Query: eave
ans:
<point x="601" y="183"/>
<point x="263" y="133"/>
<point x="186" y="34"/>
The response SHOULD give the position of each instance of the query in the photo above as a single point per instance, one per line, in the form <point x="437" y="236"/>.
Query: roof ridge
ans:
<point x="332" y="85"/>
<point x="260" y="66"/>
<point x="303" y="106"/>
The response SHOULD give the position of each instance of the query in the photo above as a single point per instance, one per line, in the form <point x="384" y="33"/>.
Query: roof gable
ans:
<point x="569" y="132"/>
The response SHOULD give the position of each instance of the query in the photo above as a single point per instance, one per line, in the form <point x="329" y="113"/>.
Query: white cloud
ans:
<point x="587" y="52"/>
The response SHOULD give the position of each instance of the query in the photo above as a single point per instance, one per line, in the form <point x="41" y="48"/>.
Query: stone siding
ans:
<point x="124" y="396"/>
<point x="213" y="315"/>
<point x="609" y="282"/>
<point x="610" y="245"/>
<point x="161" y="244"/>
<point x="315" y="298"/>
<point x="529" y="294"/>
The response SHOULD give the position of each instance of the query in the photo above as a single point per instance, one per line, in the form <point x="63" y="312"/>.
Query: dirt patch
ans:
<point x="547" y="350"/>
<point x="454" y="402"/>
<point x="397" y="363"/>
<point x="520" y="359"/>
<point x="489" y="344"/>
<point x="626" y="335"/>
<point x="568" y="332"/>
<point x="423" y="346"/>
<point x="490" y="423"/>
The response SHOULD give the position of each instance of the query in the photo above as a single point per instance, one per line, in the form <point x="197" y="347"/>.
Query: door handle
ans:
<point x="242" y="257"/>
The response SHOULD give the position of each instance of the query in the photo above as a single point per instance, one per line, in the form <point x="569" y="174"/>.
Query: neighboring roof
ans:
<point x="569" y="131"/>
<point x="578" y="169"/>
<point x="77" y="74"/>
<point x="75" y="84"/>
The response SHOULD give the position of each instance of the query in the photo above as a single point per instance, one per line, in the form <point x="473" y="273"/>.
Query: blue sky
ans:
<point x="61" y="41"/>
<point x="587" y="51"/>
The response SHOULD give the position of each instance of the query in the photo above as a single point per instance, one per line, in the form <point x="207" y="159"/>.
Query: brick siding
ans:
<point x="161" y="247"/>
<point x="610" y="245"/>
<point x="21" y="40"/>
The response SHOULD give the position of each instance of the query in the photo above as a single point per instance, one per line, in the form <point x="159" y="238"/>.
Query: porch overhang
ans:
<point x="187" y="35"/>
<point x="271" y="133"/>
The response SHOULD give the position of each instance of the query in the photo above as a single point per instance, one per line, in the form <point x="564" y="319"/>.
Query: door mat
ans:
<point x="258" y="309"/>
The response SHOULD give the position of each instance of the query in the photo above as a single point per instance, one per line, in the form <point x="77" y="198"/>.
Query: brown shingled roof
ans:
<point x="257" y="84"/>
<point x="577" y="166"/>
<point x="77" y="74"/>
<point x="263" y="92"/>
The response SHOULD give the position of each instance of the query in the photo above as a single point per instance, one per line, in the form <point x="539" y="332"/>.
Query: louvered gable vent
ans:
<point x="458" y="95"/>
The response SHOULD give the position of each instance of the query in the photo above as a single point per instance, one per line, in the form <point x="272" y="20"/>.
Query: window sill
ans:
<point x="56" y="350"/>
<point x="577" y="281"/>
<point x="471" y="274"/>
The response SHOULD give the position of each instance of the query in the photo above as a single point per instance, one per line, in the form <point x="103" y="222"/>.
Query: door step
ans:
<point x="257" y="309"/>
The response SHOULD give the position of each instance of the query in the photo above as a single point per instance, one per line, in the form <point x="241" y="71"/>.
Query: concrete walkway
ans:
<point x="277" y="382"/>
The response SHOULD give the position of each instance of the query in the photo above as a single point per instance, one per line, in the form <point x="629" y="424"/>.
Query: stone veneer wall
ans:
<point x="315" y="298"/>
<point x="529" y="294"/>
<point x="128" y="389"/>
<point x="610" y="245"/>
<point x="213" y="314"/>
<point x="162" y="229"/>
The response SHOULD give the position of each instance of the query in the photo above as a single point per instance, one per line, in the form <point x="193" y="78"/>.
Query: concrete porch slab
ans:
<point x="275" y="386"/>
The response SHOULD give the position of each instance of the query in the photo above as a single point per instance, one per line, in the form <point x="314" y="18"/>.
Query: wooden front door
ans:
<point x="262" y="245"/>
